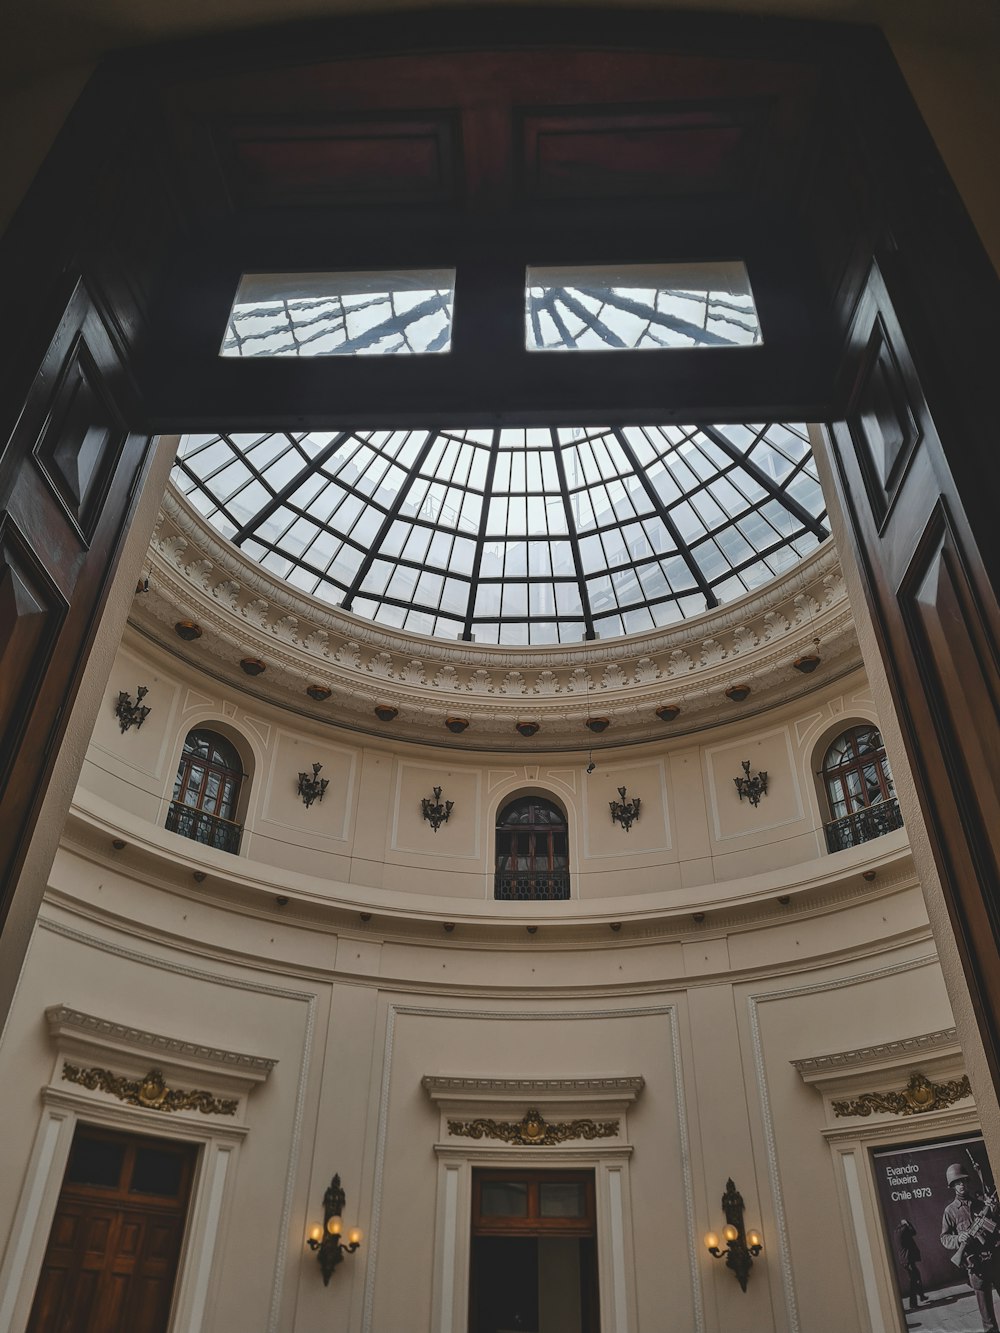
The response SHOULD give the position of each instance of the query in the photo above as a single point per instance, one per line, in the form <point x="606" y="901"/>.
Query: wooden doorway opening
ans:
<point x="115" y="1242"/>
<point x="533" y="1262"/>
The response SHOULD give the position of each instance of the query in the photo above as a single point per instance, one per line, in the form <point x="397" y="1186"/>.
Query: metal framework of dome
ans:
<point x="515" y="536"/>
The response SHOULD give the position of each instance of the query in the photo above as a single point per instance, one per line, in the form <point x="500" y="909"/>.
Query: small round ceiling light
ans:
<point x="598" y="724"/>
<point x="188" y="630"/>
<point x="253" y="666"/>
<point x="386" y="712"/>
<point x="528" y="728"/>
<point x="668" y="712"/>
<point x="319" y="692"/>
<point x="737" y="693"/>
<point x="456" y="725"/>
<point x="808" y="662"/>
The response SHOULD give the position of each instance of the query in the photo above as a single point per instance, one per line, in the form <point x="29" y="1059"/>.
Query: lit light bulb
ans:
<point x="711" y="1241"/>
<point x="316" y="1234"/>
<point x="354" y="1238"/>
<point x="753" y="1238"/>
<point x="730" y="1233"/>
<point x="334" y="1226"/>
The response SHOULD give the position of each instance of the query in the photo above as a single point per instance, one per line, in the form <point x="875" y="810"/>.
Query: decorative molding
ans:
<point x="630" y="1091"/>
<point x="945" y="1040"/>
<point x="150" y="1092"/>
<point x="919" y="1096"/>
<point x="244" y="609"/>
<point x="520" y="1088"/>
<point x="105" y="1032"/>
<point x="754" y="1001"/>
<point x="534" y="1129"/>
<point x="274" y="1322"/>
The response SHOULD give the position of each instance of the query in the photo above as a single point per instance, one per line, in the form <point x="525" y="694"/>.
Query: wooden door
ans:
<point x="70" y="468"/>
<point x="113" y="1249"/>
<point x="935" y="612"/>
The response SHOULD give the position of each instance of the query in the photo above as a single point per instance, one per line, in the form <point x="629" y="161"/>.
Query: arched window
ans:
<point x="532" y="850"/>
<point x="859" y="789"/>
<point x="207" y="792"/>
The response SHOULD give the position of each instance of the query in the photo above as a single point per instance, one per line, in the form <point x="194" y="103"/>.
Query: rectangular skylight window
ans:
<point x="403" y="313"/>
<point x="635" y="307"/>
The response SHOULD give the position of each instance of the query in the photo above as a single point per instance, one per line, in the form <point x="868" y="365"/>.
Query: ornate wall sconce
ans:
<point x="129" y="713"/>
<point x="435" y="812"/>
<point x="742" y="1247"/>
<point x="326" y="1239"/>
<point x="625" y="812"/>
<point x="312" y="788"/>
<point x="753" y="788"/>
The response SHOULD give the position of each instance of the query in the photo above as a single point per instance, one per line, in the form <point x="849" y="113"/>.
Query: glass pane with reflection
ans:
<point x="635" y="307"/>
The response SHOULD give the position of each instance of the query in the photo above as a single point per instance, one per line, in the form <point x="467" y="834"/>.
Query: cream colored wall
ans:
<point x="693" y="830"/>
<point x="356" y="1015"/>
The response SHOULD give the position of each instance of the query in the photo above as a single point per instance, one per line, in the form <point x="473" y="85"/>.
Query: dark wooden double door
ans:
<point x="115" y="1242"/>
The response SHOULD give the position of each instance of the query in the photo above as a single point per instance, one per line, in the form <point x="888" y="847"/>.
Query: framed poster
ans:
<point x="931" y="1196"/>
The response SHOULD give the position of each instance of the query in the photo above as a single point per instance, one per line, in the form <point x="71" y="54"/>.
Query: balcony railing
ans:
<point x="530" y="886"/>
<point x="863" y="826"/>
<point x="222" y="834"/>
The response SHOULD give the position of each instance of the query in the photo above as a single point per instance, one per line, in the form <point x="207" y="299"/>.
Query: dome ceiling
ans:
<point x="517" y="537"/>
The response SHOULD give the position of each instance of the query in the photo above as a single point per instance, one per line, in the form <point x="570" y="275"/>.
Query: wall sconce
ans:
<point x="753" y="788"/>
<point x="741" y="1247"/>
<point x="435" y="812"/>
<point x="326" y="1239"/>
<point x="625" y="812"/>
<point x="312" y="788"/>
<point x="131" y="714"/>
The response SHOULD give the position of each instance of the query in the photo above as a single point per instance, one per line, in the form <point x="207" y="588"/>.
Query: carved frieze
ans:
<point x="919" y="1095"/>
<point x="534" y="1129"/>
<point x="150" y="1092"/>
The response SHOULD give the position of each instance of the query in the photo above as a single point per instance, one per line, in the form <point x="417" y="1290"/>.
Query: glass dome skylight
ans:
<point x="515" y="536"/>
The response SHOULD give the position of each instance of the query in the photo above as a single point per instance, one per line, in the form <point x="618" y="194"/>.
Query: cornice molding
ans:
<point x="441" y="1087"/>
<point x="105" y="1038"/>
<point x="942" y="1042"/>
<point x="245" y="611"/>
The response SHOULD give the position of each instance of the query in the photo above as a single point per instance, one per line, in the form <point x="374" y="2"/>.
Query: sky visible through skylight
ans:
<point x="515" y="536"/>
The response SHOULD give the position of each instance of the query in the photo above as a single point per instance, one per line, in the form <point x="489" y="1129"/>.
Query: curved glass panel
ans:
<point x="515" y="536"/>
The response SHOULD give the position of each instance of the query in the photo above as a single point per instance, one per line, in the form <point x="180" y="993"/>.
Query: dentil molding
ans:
<point x="244" y="611"/>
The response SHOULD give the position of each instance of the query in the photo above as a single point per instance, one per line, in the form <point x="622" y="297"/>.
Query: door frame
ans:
<point x="453" y="1229"/>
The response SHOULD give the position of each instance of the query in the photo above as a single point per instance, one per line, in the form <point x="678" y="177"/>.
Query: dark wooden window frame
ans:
<point x="534" y="1224"/>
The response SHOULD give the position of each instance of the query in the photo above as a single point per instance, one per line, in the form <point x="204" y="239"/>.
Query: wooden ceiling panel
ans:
<point x="626" y="152"/>
<point x="406" y="158"/>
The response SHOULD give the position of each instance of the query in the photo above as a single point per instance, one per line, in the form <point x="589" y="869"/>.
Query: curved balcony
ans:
<point x="531" y="887"/>
<point x="222" y="834"/>
<point x="863" y="826"/>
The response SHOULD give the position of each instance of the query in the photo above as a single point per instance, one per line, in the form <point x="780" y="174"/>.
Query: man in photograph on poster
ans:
<point x="931" y="1193"/>
<point x="969" y="1228"/>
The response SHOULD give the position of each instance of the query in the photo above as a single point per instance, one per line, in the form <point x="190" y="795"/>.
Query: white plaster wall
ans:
<point x="368" y="831"/>
<point x="356" y="1015"/>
